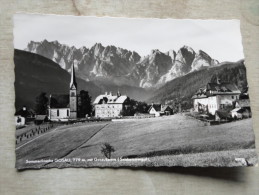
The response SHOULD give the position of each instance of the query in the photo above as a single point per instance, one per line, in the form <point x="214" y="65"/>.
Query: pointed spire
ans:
<point x="73" y="77"/>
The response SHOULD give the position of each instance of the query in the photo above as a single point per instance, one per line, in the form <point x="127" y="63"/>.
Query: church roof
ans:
<point x="110" y="99"/>
<point x="73" y="77"/>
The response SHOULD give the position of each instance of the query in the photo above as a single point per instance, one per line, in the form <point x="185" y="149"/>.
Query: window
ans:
<point x="57" y="112"/>
<point x="72" y="94"/>
<point x="67" y="112"/>
<point x="233" y="97"/>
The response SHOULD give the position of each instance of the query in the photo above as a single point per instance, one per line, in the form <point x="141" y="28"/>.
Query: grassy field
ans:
<point x="176" y="140"/>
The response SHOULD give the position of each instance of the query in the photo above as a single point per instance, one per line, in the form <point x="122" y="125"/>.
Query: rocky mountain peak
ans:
<point x="122" y="66"/>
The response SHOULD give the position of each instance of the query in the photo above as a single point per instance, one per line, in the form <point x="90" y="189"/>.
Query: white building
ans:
<point x="59" y="114"/>
<point x="19" y="121"/>
<point x="110" y="106"/>
<point x="159" y="109"/>
<point x="215" y="96"/>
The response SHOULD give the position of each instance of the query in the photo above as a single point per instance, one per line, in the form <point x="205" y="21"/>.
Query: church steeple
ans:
<point x="73" y="77"/>
<point x="73" y="94"/>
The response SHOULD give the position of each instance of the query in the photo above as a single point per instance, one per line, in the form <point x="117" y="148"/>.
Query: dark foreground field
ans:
<point x="175" y="140"/>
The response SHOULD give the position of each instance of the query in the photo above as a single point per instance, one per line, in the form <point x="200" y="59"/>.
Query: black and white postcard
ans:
<point x="110" y="92"/>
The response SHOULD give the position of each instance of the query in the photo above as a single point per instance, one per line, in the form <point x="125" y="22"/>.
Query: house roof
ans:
<point x="23" y="113"/>
<point x="219" y="88"/>
<point x="159" y="107"/>
<point x="165" y="107"/>
<point x="222" y="114"/>
<point x="110" y="99"/>
<point x="216" y="89"/>
<point x="40" y="117"/>
<point x="198" y="96"/>
<point x="243" y="103"/>
<point x="236" y="109"/>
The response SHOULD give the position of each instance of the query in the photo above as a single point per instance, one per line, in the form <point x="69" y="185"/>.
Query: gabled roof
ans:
<point x="236" y="110"/>
<point x="165" y="107"/>
<point x="219" y="88"/>
<point x="243" y="103"/>
<point x="159" y="107"/>
<point x="24" y="113"/>
<point x="216" y="89"/>
<point x="198" y="96"/>
<point x="222" y="114"/>
<point x="40" y="117"/>
<point x="110" y="99"/>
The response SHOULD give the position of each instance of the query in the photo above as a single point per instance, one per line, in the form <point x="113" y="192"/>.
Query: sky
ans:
<point x="221" y="39"/>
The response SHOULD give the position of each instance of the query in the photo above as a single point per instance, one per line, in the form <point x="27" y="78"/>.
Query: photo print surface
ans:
<point x="110" y="92"/>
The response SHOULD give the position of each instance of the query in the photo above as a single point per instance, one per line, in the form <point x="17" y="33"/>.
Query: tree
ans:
<point x="107" y="150"/>
<point x="41" y="105"/>
<point x="84" y="104"/>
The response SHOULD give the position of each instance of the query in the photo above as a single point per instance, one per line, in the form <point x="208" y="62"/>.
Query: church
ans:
<point x="64" y="107"/>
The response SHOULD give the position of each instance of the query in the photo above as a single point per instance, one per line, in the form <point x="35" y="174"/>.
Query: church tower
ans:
<point x="73" y="94"/>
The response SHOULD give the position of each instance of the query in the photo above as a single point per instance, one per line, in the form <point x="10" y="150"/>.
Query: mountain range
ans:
<point x="35" y="74"/>
<point x="120" y="66"/>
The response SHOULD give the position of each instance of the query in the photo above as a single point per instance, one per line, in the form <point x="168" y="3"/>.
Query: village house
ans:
<point x="242" y="106"/>
<point x="215" y="96"/>
<point x="64" y="107"/>
<point x="110" y="106"/>
<point x="159" y="110"/>
<point x="23" y="116"/>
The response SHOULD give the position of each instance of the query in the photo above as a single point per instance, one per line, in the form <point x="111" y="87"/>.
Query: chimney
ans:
<point x="110" y="93"/>
<point x="106" y="93"/>
<point x="118" y="93"/>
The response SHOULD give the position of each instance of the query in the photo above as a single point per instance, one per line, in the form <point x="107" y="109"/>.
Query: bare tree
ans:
<point x="107" y="149"/>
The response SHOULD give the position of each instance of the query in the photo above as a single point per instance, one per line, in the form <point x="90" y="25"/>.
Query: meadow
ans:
<point x="176" y="140"/>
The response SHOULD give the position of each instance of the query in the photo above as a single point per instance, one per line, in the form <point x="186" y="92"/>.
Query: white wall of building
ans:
<point x="214" y="103"/>
<point x="108" y="110"/>
<point x="203" y="101"/>
<point x="19" y="120"/>
<point x="228" y="99"/>
<point x="59" y="114"/>
<point x="153" y="111"/>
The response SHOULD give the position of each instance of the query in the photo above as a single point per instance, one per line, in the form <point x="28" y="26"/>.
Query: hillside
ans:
<point x="35" y="74"/>
<point x="184" y="87"/>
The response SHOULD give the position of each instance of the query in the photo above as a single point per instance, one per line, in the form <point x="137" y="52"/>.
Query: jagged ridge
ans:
<point x="121" y="66"/>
